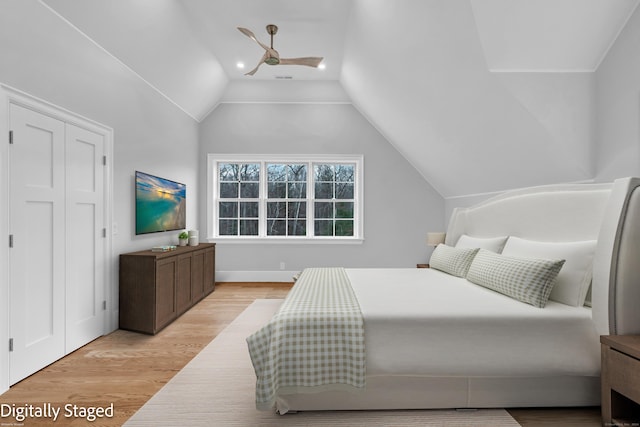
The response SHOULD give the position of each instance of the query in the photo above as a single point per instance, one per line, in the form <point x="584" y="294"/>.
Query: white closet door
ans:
<point x="37" y="224"/>
<point x="85" y="241"/>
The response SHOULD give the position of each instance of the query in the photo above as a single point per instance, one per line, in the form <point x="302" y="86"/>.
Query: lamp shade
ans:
<point x="434" y="239"/>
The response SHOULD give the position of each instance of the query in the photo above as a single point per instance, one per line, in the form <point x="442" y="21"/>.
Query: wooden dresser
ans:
<point x="620" y="380"/>
<point x="157" y="287"/>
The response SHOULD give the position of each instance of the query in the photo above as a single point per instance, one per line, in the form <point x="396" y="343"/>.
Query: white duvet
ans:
<point x="422" y="322"/>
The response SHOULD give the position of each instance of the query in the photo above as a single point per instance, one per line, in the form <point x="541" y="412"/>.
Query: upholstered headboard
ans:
<point x="616" y="269"/>
<point x="609" y="213"/>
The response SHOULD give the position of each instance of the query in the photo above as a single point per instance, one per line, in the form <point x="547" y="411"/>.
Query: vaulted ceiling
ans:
<point x="479" y="95"/>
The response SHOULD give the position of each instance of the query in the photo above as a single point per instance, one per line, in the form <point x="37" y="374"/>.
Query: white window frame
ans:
<point x="212" y="197"/>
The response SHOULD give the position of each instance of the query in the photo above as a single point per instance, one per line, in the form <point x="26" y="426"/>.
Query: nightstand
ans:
<point x="620" y="380"/>
<point x="422" y="265"/>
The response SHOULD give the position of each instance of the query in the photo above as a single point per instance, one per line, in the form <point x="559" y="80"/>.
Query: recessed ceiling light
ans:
<point x="240" y="65"/>
<point x="322" y="66"/>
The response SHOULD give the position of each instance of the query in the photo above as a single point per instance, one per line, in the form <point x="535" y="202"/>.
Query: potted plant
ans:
<point x="183" y="238"/>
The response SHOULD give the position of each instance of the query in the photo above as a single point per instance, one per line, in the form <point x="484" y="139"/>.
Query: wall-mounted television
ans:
<point x="160" y="204"/>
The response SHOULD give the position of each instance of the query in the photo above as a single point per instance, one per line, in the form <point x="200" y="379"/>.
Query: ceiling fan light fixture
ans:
<point x="272" y="61"/>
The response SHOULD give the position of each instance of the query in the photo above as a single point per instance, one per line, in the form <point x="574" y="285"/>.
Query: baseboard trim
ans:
<point x="255" y="276"/>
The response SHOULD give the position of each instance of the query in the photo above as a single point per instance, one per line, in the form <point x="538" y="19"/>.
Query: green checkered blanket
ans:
<point x="314" y="342"/>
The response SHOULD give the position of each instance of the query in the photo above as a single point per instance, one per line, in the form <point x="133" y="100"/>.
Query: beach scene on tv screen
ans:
<point x="160" y="204"/>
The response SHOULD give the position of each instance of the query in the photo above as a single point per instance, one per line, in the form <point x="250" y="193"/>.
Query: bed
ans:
<point x="442" y="338"/>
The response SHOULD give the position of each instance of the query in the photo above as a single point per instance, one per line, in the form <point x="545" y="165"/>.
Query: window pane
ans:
<point x="296" y="172"/>
<point x="345" y="173"/>
<point x="344" y="228"/>
<point x="323" y="228"/>
<point x="228" y="172"/>
<point x="228" y="210"/>
<point x="344" y="209"/>
<point x="323" y="172"/>
<point x="250" y="172"/>
<point x="228" y="227"/>
<point x="297" y="190"/>
<point x="228" y="190"/>
<point x="276" y="227"/>
<point x="277" y="190"/>
<point x="249" y="190"/>
<point x="276" y="172"/>
<point x="248" y="227"/>
<point x="297" y="227"/>
<point x="324" y="190"/>
<point x="249" y="209"/>
<point x="276" y="210"/>
<point x="344" y="190"/>
<point x="297" y="210"/>
<point x="323" y="210"/>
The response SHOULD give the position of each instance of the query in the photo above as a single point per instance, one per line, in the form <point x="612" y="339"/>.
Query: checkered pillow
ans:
<point x="455" y="261"/>
<point x="525" y="279"/>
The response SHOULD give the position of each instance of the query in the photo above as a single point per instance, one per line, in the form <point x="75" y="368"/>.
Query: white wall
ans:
<point x="49" y="59"/>
<point x="400" y="207"/>
<point x="618" y="106"/>
<point x="45" y="57"/>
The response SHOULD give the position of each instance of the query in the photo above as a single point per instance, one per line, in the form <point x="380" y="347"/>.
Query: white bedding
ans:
<point x="423" y="322"/>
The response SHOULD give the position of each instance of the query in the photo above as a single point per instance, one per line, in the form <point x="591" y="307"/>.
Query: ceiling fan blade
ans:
<point x="252" y="36"/>
<point x="252" y="72"/>
<point x="311" y="61"/>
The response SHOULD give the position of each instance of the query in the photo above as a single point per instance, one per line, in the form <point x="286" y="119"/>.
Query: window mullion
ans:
<point x="262" y="213"/>
<point x="216" y="199"/>
<point x="309" y="200"/>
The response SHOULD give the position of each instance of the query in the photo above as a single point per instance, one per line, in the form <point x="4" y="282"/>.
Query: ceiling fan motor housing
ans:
<point x="272" y="29"/>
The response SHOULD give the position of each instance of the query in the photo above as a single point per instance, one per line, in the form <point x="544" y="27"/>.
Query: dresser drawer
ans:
<point x="624" y="374"/>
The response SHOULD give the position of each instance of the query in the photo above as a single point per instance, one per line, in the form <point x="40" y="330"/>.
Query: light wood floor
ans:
<point x="127" y="368"/>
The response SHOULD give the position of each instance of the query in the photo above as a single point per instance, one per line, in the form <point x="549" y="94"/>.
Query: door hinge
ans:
<point x="104" y="232"/>
<point x="10" y="137"/>
<point x="10" y="240"/>
<point x="10" y="344"/>
<point x="104" y="160"/>
<point x="104" y="304"/>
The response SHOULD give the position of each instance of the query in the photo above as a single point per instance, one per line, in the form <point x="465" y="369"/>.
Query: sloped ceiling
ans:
<point x="420" y="73"/>
<point x="548" y="35"/>
<point x="154" y="39"/>
<point x="479" y="95"/>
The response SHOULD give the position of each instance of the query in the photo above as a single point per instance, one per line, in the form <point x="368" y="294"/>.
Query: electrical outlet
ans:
<point x="281" y="265"/>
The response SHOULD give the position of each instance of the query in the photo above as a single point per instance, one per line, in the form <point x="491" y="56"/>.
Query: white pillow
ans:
<point x="455" y="261"/>
<point x="524" y="279"/>
<point x="493" y="244"/>
<point x="574" y="279"/>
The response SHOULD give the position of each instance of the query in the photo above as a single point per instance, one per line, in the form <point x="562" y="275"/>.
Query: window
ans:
<point x="239" y="189"/>
<point x="285" y="198"/>
<point x="334" y="201"/>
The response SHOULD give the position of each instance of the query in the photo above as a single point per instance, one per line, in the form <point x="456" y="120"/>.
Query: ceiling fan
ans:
<point x="272" y="57"/>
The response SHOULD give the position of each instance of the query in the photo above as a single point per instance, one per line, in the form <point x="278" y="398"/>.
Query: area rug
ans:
<point x="217" y="389"/>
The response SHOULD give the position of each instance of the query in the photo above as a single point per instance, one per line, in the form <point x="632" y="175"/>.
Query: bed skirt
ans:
<point x="405" y="392"/>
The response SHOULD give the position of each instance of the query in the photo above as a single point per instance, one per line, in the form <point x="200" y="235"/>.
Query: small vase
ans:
<point x="183" y="242"/>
